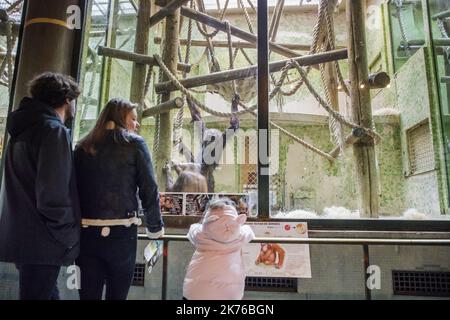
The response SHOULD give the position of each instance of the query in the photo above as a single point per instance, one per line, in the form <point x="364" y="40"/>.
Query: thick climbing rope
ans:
<point x="10" y="43"/>
<point x="247" y="17"/>
<point x="250" y="3"/>
<point x="157" y="121"/>
<point x="202" y="28"/>
<point x="189" y="95"/>
<point x="231" y="55"/>
<point x="336" y="131"/>
<point x="317" y="35"/>
<point x="399" y="7"/>
<point x="332" y="43"/>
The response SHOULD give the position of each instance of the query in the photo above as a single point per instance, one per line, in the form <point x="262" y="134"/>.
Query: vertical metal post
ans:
<point x="263" y="111"/>
<point x="366" y="275"/>
<point x="165" y="269"/>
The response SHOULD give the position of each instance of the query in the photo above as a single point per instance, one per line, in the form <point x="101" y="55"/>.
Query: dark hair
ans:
<point x="113" y="118"/>
<point x="53" y="89"/>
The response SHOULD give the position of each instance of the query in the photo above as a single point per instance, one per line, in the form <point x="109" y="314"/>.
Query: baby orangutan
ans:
<point x="271" y="254"/>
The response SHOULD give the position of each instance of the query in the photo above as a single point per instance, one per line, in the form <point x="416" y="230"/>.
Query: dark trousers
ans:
<point x="106" y="261"/>
<point x="38" y="282"/>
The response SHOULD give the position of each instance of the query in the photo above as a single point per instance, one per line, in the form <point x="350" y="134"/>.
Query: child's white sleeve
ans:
<point x="194" y="230"/>
<point x="248" y="233"/>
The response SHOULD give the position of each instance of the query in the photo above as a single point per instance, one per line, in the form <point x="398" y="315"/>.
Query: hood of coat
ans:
<point x="221" y="230"/>
<point x="31" y="113"/>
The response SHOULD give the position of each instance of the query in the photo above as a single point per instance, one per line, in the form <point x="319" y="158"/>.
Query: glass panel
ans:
<point x="98" y="87"/>
<point x="407" y="29"/>
<point x="8" y="48"/>
<point x="440" y="27"/>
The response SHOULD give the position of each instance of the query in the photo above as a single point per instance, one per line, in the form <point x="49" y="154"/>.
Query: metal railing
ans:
<point x="364" y="242"/>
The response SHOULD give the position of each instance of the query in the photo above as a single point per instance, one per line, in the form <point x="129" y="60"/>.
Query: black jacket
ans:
<point x="40" y="217"/>
<point x="110" y="181"/>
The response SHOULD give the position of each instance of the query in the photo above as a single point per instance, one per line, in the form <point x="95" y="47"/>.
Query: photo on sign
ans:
<point x="171" y="203"/>
<point x="275" y="259"/>
<point x="196" y="203"/>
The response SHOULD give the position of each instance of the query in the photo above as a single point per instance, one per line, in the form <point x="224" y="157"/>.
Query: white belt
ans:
<point x="86" y="223"/>
<point x="111" y="222"/>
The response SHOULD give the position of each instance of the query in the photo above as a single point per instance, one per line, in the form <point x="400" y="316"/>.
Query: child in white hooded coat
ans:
<point x="216" y="271"/>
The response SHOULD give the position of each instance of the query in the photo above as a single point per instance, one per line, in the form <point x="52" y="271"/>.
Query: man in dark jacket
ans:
<point x="40" y="218"/>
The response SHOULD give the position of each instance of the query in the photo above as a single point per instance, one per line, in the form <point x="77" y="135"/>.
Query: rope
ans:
<point x="317" y="33"/>
<point x="148" y="79"/>
<point x="157" y="121"/>
<point x="230" y="53"/>
<point x="399" y="6"/>
<point x="332" y="42"/>
<point x="203" y="29"/>
<point x="214" y="62"/>
<point x="10" y="42"/>
<point x="190" y="96"/>
<point x="335" y="127"/>
<point x="250" y="3"/>
<point x="247" y="17"/>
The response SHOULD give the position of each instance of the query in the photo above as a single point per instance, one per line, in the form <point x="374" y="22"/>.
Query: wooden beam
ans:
<point x="379" y="80"/>
<point x="442" y="15"/>
<point x="139" y="72"/>
<point x="243" y="73"/>
<point x="364" y="150"/>
<point x="170" y="59"/>
<point x="238" y="44"/>
<point x="136" y="57"/>
<point x="237" y="32"/>
<point x="443" y="42"/>
<point x="164" y="107"/>
<point x="445" y="79"/>
<point x="166" y="10"/>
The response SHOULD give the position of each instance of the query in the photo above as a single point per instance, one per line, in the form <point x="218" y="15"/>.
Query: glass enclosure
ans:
<point x="439" y="11"/>
<point x="312" y="169"/>
<point x="407" y="29"/>
<point x="8" y="47"/>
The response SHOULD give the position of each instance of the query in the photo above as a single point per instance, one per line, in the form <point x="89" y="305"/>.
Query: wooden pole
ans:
<point x="170" y="59"/>
<point x="136" y="57"/>
<point x="363" y="150"/>
<point x="139" y="72"/>
<point x="164" y="107"/>
<point x="249" y="72"/>
<point x="165" y="11"/>
<point x="47" y="46"/>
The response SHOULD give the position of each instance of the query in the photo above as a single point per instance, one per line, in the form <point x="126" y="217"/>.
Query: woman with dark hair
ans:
<point x="112" y="164"/>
